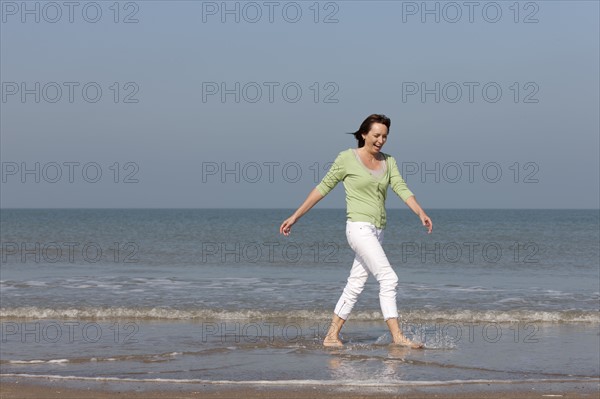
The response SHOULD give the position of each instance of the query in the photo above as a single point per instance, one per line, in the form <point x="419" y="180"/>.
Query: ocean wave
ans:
<point x="51" y="361"/>
<point x="416" y="315"/>
<point x="299" y="383"/>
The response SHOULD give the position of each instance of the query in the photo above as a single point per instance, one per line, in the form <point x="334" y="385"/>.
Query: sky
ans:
<point x="200" y="104"/>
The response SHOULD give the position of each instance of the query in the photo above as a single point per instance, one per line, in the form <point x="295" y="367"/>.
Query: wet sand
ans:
<point x="57" y="390"/>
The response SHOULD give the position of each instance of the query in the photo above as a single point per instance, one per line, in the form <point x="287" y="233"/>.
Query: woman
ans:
<point x="366" y="173"/>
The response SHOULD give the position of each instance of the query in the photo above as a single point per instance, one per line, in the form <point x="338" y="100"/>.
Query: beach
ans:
<point x="180" y="303"/>
<point x="55" y="390"/>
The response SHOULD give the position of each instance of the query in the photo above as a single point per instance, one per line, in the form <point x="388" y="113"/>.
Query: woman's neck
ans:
<point x="370" y="155"/>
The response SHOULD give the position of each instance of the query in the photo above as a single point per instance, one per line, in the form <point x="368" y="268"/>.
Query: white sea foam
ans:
<point x="299" y="383"/>
<point x="52" y="361"/>
<point x="416" y="315"/>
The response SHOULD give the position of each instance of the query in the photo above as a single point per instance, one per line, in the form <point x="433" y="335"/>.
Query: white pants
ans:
<point x="365" y="239"/>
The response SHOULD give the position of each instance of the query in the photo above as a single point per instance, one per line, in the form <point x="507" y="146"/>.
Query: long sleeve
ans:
<point x="336" y="174"/>
<point x="397" y="182"/>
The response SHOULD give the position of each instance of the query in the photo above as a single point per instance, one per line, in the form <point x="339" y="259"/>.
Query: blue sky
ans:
<point x="509" y="118"/>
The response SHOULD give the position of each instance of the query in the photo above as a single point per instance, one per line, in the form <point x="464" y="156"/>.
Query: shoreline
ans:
<point x="26" y="388"/>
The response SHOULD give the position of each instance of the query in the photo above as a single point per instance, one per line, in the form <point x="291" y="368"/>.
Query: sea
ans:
<point x="217" y="297"/>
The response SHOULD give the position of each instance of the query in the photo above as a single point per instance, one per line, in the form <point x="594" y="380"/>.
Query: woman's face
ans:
<point x="376" y="138"/>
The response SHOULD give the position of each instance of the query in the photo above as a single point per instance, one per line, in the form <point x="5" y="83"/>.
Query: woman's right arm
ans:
<point x="313" y="197"/>
<point x="335" y="175"/>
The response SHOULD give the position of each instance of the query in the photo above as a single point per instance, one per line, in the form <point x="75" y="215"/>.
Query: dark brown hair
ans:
<point x="366" y="126"/>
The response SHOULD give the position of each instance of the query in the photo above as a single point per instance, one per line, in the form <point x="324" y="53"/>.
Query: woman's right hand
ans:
<point x="286" y="226"/>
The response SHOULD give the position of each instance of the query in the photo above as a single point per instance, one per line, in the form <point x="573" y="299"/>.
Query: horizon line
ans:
<point x="277" y="208"/>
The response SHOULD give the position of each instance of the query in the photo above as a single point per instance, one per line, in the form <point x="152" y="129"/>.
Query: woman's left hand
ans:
<point x="286" y="226"/>
<point x="426" y="222"/>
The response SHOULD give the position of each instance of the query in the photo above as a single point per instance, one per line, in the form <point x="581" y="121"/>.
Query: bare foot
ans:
<point x="332" y="342"/>
<point x="403" y="341"/>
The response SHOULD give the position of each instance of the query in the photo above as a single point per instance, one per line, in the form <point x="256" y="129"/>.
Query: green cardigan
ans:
<point x="365" y="193"/>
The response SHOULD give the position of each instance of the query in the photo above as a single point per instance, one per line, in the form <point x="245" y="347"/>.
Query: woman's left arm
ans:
<point x="416" y="208"/>
<point x="399" y="186"/>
